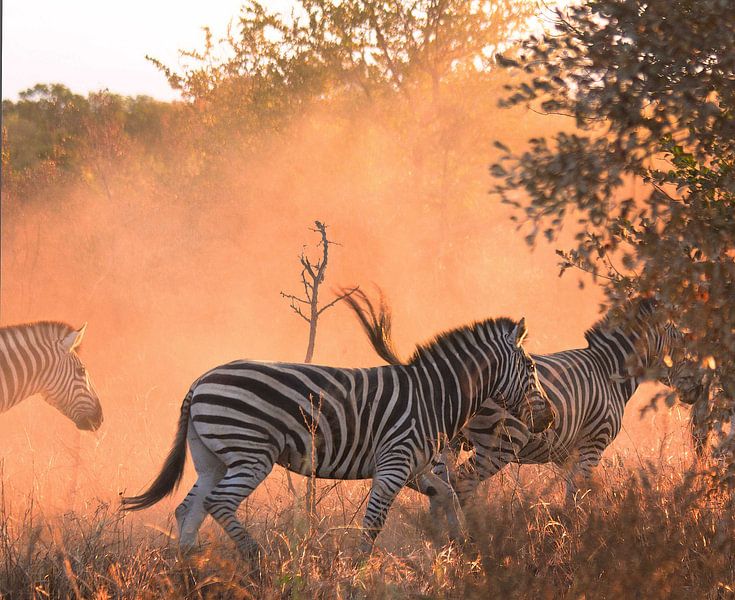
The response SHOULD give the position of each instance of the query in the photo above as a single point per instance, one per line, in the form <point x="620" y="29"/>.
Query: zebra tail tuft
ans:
<point x="173" y="468"/>
<point x="377" y="326"/>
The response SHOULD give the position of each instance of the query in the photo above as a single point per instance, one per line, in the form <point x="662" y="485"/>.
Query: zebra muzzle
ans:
<point x="89" y="423"/>
<point x="540" y="416"/>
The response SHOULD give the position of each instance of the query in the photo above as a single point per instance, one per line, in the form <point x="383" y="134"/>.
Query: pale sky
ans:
<point x="89" y="45"/>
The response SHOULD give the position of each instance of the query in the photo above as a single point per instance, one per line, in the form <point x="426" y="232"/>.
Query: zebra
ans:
<point x="41" y="358"/>
<point x="709" y="413"/>
<point x="588" y="387"/>
<point x="384" y="423"/>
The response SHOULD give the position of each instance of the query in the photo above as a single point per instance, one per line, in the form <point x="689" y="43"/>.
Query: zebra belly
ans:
<point x="544" y="448"/>
<point x="313" y="464"/>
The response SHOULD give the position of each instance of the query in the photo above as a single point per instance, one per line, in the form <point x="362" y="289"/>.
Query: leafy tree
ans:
<point x="44" y="125"/>
<point x="272" y="64"/>
<point x="51" y="133"/>
<point x="648" y="173"/>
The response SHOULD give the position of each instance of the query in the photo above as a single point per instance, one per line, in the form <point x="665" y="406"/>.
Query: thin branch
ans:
<point x="338" y="298"/>
<point x="292" y="297"/>
<point x="307" y="287"/>
<point x="591" y="271"/>
<point x="297" y="310"/>
<point x="558" y="113"/>
<point x="307" y="265"/>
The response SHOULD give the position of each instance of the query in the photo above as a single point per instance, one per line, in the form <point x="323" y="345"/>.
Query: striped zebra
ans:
<point x="384" y="423"/>
<point x="588" y="387"/>
<point x="40" y="358"/>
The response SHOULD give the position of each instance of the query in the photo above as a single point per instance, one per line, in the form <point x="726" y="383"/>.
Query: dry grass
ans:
<point x="648" y="533"/>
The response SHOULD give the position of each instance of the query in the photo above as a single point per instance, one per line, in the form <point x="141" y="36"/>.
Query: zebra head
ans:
<point x="686" y="377"/>
<point x="666" y="354"/>
<point x="689" y="382"/>
<point x="69" y="388"/>
<point x="680" y="371"/>
<point x="658" y="345"/>
<point x="524" y="394"/>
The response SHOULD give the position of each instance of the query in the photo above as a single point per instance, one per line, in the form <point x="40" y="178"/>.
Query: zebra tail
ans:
<point x="173" y="468"/>
<point x="377" y="326"/>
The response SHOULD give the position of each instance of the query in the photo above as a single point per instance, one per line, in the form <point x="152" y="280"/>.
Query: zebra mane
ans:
<point x="377" y="322"/>
<point x="47" y="330"/>
<point x="498" y="325"/>
<point x="642" y="307"/>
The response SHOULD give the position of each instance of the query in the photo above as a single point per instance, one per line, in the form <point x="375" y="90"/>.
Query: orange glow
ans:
<point x="171" y="288"/>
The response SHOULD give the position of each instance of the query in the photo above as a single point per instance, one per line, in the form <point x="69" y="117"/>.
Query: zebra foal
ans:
<point x="40" y="358"/>
<point x="384" y="423"/>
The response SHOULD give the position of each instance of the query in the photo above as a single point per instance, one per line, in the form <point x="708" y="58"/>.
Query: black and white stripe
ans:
<point x="588" y="388"/>
<point x="384" y="423"/>
<point x="40" y="358"/>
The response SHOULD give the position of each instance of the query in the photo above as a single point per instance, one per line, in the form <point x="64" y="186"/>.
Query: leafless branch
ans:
<point x="294" y="298"/>
<point x="338" y="298"/>
<point x="312" y="276"/>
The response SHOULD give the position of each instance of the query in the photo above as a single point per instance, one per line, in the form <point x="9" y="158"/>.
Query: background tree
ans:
<point x="307" y="307"/>
<point x="269" y="60"/>
<point x="52" y="135"/>
<point x="648" y="175"/>
<point x="312" y="276"/>
<point x="351" y="56"/>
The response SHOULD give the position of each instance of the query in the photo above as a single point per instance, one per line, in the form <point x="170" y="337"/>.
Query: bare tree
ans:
<point x="312" y="276"/>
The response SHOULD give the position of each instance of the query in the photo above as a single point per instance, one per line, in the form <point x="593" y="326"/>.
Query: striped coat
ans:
<point x="588" y="388"/>
<point x="40" y="358"/>
<point x="384" y="423"/>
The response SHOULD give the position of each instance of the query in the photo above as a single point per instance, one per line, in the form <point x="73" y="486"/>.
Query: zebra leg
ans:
<point x="470" y="474"/>
<point x="387" y="482"/>
<point x="494" y="447"/>
<point x="570" y="485"/>
<point x="589" y="458"/>
<point x="222" y="502"/>
<point x="191" y="513"/>
<point x="441" y="499"/>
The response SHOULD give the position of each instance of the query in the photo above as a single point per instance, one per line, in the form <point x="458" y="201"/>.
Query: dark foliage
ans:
<point x="648" y="174"/>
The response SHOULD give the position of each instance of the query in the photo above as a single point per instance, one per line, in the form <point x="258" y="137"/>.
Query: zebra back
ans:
<point x="536" y="411"/>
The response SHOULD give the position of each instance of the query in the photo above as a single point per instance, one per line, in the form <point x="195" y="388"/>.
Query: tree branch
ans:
<point x="338" y="298"/>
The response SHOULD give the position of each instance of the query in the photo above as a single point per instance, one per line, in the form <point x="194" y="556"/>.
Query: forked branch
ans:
<point x="312" y="276"/>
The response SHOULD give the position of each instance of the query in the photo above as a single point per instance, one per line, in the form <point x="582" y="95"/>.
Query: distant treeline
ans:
<point x="350" y="58"/>
<point x="51" y="126"/>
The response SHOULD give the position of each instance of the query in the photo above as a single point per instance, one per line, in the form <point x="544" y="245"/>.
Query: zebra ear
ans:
<point x="519" y="333"/>
<point x="72" y="340"/>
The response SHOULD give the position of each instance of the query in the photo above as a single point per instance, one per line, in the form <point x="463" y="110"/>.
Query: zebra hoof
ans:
<point x="363" y="554"/>
<point x="252" y="553"/>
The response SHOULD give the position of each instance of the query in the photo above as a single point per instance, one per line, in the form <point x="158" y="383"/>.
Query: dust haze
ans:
<point x="172" y="286"/>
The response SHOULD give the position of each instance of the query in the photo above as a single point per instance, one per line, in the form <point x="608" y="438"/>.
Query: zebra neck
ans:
<point x="29" y="360"/>
<point x="616" y="354"/>
<point x="453" y="386"/>
<point x="16" y="388"/>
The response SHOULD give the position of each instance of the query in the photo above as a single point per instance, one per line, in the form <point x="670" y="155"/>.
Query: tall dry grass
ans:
<point x="645" y="532"/>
